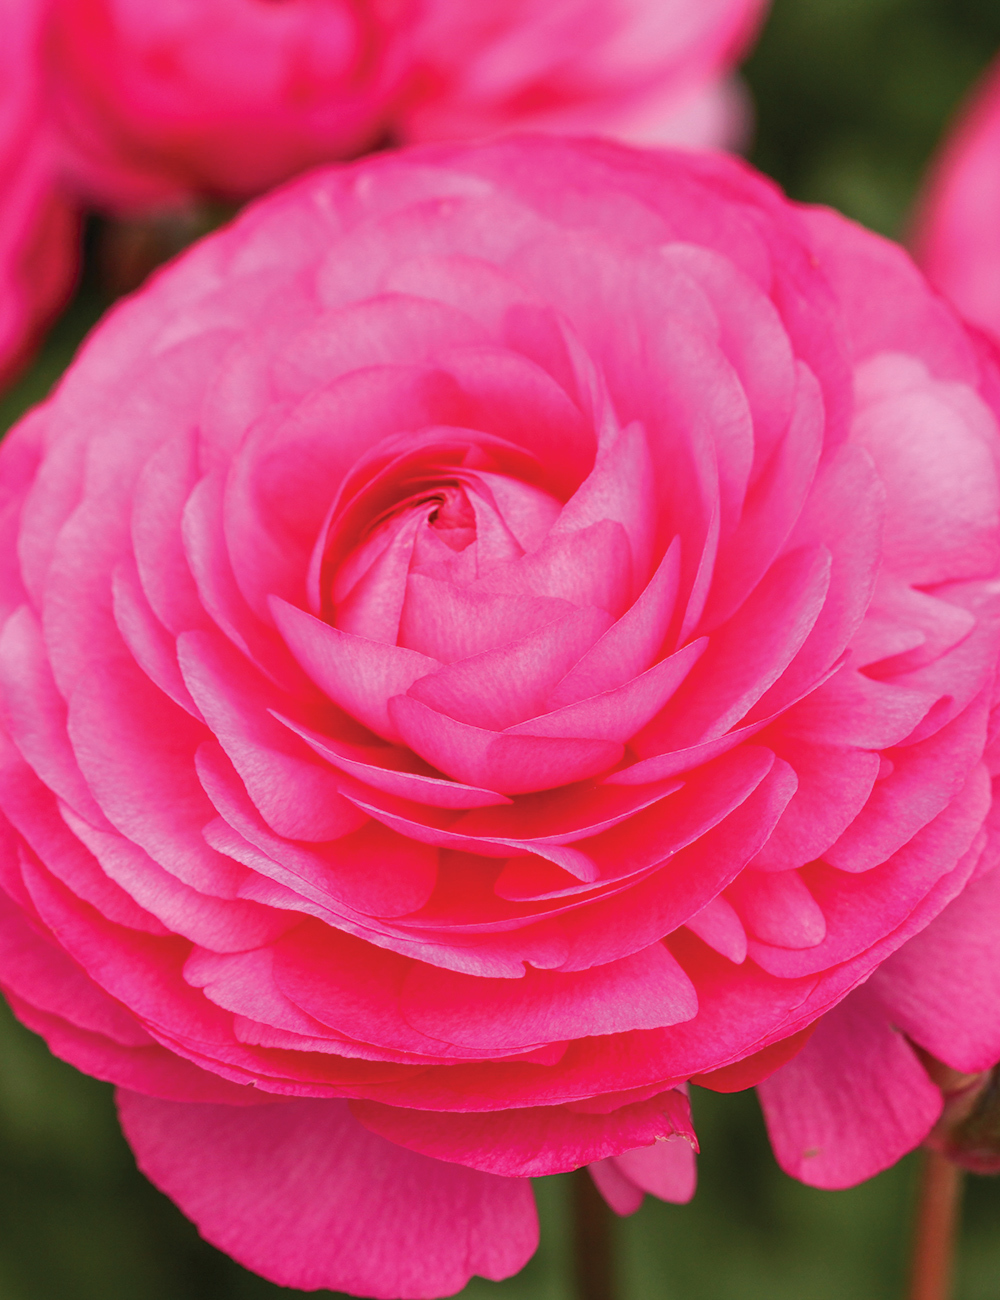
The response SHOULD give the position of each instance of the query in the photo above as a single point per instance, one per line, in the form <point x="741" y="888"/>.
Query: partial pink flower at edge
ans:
<point x="957" y="219"/>
<point x="38" y="223"/>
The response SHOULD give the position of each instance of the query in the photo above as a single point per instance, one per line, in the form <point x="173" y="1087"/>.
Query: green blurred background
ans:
<point x="852" y="96"/>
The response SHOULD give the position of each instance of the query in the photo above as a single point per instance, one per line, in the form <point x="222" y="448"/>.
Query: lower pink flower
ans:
<point x="490" y="637"/>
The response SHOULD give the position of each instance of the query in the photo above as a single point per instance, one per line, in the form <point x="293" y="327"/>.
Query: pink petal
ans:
<point x="925" y="777"/>
<point x="208" y="558"/>
<point x="302" y="1194"/>
<point x="359" y="675"/>
<point x="619" y="713"/>
<point x="375" y="767"/>
<point x="339" y="871"/>
<point x="590" y="567"/>
<point x="528" y="1143"/>
<point x="861" y="910"/>
<point x="834" y="785"/>
<point x="943" y="506"/>
<point x="377" y="330"/>
<point x="152" y="1069"/>
<point x="161" y="492"/>
<point x="136" y="749"/>
<point x="509" y="764"/>
<point x="296" y="795"/>
<point x="619" y="488"/>
<point x="221" y="924"/>
<point x="153" y="647"/>
<point x="772" y="507"/>
<point x="747" y="655"/>
<point x="844" y="514"/>
<point x="34" y="713"/>
<point x="373" y="606"/>
<point x="719" y="925"/>
<point x="942" y="988"/>
<point x="41" y="973"/>
<point x="852" y="1102"/>
<point x="620" y="1192"/>
<point x="447" y="622"/>
<point x="631" y="644"/>
<point x="501" y="687"/>
<point x="644" y="991"/>
<point x="667" y="1170"/>
<point x="778" y="908"/>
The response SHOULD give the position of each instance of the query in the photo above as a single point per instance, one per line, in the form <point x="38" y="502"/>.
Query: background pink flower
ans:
<point x="38" y="227"/>
<point x="489" y="637"/>
<point x="134" y="108"/>
<point x="642" y="72"/>
<point x="957" y="226"/>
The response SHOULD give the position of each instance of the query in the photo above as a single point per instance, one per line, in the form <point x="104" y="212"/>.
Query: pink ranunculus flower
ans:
<point x="134" y="109"/>
<point x="37" y="225"/>
<point x="491" y="636"/>
<point x="646" y="71"/>
<point x="221" y="97"/>
<point x="957" y="224"/>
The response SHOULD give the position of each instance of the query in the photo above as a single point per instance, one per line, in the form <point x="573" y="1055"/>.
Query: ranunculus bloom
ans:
<point x="491" y="636"/>
<point x="645" y="71"/>
<point x="129" y="106"/>
<point x="957" y="227"/>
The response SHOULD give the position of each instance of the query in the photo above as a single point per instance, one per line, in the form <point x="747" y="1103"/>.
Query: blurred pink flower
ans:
<point x="136" y="108"/>
<point x="646" y="71"/>
<point x="491" y="636"/>
<point x="957" y="225"/>
<point x="38" y="227"/>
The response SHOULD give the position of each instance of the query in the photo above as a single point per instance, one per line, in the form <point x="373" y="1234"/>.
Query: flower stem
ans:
<point x="935" y="1230"/>
<point x="592" y="1231"/>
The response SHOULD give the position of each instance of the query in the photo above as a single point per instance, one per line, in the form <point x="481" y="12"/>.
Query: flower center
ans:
<point x="454" y="520"/>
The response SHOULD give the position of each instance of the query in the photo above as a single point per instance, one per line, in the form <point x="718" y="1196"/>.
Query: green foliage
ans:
<point x="853" y="95"/>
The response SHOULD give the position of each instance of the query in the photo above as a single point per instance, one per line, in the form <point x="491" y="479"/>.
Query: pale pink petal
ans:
<point x="666" y="1170"/>
<point x="499" y="688"/>
<point x="619" y="1191"/>
<point x="447" y="622"/>
<point x="391" y="769"/>
<point x="631" y="644"/>
<point x="589" y="567"/>
<point x="619" y="713"/>
<point x="510" y="764"/>
<point x="359" y="675"/>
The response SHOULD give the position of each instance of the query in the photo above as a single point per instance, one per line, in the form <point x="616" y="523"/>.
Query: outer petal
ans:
<point x="302" y="1194"/>
<point x="853" y="1101"/>
<point x="943" y="987"/>
<point x="542" y="1140"/>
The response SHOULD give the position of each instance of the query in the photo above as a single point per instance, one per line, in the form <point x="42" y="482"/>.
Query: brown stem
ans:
<point x="935" y="1228"/>
<point x="592" y="1231"/>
